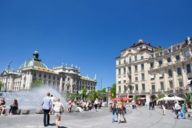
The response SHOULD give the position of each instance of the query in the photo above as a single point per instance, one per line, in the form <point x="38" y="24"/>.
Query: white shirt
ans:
<point x="58" y="106"/>
<point x="46" y="104"/>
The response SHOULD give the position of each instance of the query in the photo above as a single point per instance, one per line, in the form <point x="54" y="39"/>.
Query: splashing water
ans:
<point x="32" y="99"/>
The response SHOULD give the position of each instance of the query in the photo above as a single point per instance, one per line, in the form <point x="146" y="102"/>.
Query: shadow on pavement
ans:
<point x="62" y="127"/>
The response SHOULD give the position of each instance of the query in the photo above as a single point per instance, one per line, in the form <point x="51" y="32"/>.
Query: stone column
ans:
<point x="175" y="81"/>
<point x="184" y="76"/>
<point x="61" y="83"/>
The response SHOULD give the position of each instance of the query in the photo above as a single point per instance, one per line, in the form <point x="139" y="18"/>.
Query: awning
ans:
<point x="120" y="99"/>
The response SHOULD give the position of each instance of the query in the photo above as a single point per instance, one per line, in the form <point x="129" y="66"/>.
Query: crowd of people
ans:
<point x="52" y="105"/>
<point x="84" y="105"/>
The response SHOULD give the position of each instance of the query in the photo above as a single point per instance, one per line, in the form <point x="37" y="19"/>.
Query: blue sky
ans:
<point x="88" y="33"/>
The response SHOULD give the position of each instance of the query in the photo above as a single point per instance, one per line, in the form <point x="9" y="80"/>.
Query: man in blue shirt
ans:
<point x="46" y="106"/>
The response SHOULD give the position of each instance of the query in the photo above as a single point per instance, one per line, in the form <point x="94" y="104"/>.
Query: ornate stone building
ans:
<point x="64" y="78"/>
<point x="144" y="70"/>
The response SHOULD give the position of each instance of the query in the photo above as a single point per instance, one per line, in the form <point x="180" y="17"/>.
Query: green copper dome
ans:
<point x="34" y="62"/>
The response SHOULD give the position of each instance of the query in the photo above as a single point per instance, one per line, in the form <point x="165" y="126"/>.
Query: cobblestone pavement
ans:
<point x="139" y="118"/>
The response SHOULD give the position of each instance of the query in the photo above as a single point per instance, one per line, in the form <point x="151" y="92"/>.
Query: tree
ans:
<point x="102" y="94"/>
<point x="136" y="98"/>
<point x="37" y="83"/>
<point x="84" y="93"/>
<point x="113" y="91"/>
<point x="188" y="98"/>
<point x="160" y="95"/>
<point x="92" y="95"/>
<point x="1" y="85"/>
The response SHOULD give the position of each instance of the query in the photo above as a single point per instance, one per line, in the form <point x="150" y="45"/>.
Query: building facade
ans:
<point x="63" y="78"/>
<point x="144" y="70"/>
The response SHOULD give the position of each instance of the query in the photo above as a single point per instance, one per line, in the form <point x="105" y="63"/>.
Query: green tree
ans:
<point x="1" y="85"/>
<point x="102" y="94"/>
<point x="92" y="95"/>
<point x="73" y="96"/>
<point x="188" y="98"/>
<point x="84" y="93"/>
<point x="113" y="91"/>
<point x="37" y="83"/>
<point x="160" y="95"/>
<point x="136" y="98"/>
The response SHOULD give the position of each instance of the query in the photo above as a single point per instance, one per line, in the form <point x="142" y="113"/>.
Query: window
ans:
<point x="180" y="84"/>
<point x="171" y="84"/>
<point x="160" y="62"/>
<point x="124" y="61"/>
<point x="153" y="88"/>
<point x="143" y="76"/>
<point x="152" y="65"/>
<point x="142" y="66"/>
<point x="177" y="58"/>
<point x="135" y="68"/>
<point x="162" y="86"/>
<point x="136" y="58"/>
<point x="169" y="59"/>
<point x="124" y="81"/>
<point x="130" y="78"/>
<point x="129" y="59"/>
<point x="187" y="53"/>
<point x="124" y="70"/>
<point x="178" y="71"/>
<point x="141" y="57"/>
<point x="125" y="88"/>
<point x="136" y="87"/>
<point x="136" y="78"/>
<point x="188" y="68"/>
<point x="119" y="71"/>
<point x="119" y="82"/>
<point x="119" y="89"/>
<point x="170" y="73"/>
<point x="129" y="69"/>
<point x="161" y="74"/>
<point x="143" y="87"/>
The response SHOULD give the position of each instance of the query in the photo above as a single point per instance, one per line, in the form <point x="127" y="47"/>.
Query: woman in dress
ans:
<point x="58" y="109"/>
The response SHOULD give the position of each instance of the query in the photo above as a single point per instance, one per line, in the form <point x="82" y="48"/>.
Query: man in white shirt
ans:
<point x="177" y="108"/>
<point x="46" y="106"/>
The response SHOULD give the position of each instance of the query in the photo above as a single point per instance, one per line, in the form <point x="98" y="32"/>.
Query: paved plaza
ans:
<point x="138" y="118"/>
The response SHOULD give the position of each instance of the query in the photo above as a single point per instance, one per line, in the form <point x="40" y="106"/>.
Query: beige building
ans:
<point x="64" y="78"/>
<point x="144" y="70"/>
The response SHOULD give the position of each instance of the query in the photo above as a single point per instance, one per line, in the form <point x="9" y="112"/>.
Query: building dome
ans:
<point x="34" y="62"/>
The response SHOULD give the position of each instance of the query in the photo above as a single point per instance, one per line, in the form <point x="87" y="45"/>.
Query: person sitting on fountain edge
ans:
<point x="14" y="107"/>
<point x="2" y="106"/>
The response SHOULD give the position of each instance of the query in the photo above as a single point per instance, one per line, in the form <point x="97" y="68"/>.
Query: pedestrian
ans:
<point x="58" y="109"/>
<point x="121" y="112"/>
<point x="96" y="103"/>
<point x="177" y="109"/>
<point x="163" y="107"/>
<point x="46" y="106"/>
<point x="2" y="106"/>
<point x="184" y="110"/>
<point x="14" y="107"/>
<point x="114" y="112"/>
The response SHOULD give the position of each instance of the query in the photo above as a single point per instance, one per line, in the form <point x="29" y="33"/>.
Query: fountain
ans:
<point x="32" y="99"/>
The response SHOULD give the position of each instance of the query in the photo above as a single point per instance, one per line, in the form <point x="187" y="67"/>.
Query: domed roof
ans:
<point x="34" y="62"/>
